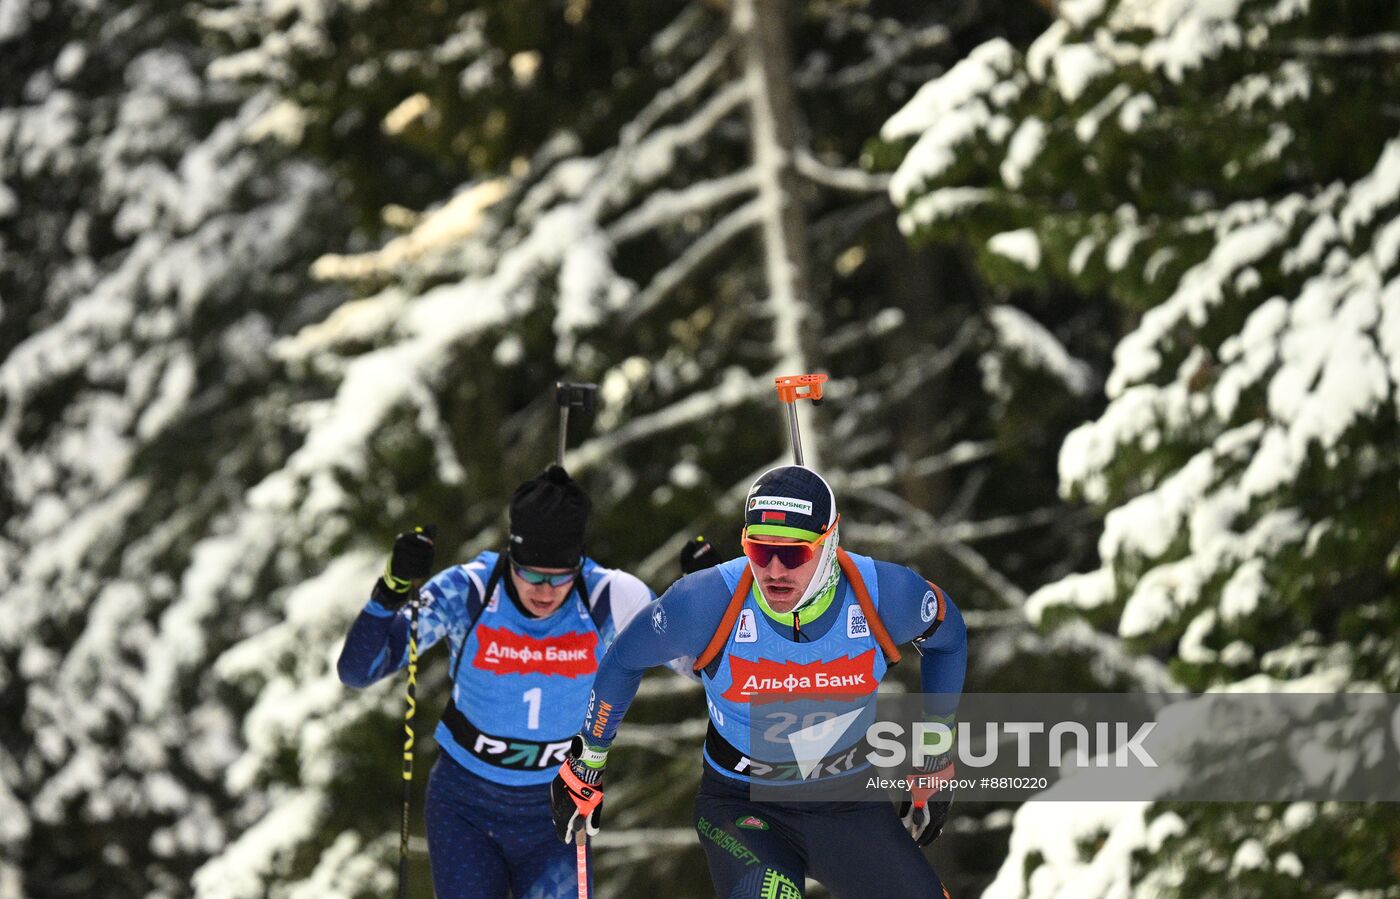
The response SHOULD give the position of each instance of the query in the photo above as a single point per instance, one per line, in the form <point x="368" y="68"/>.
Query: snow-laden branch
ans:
<point x="735" y="388"/>
<point x="665" y="43"/>
<point x="1146" y="671"/>
<point x="665" y="686"/>
<point x="665" y="738"/>
<point x="856" y="181"/>
<point x="626" y="847"/>
<point x="1019" y="334"/>
<point x="979" y="619"/>
<point x="970" y="824"/>
<point x="730" y="502"/>
<point x="666" y="207"/>
<point x="431" y="425"/>
<point x="883" y="475"/>
<point x="971" y="531"/>
<point x="951" y="538"/>
<point x="686" y="88"/>
<point x="902" y="381"/>
<point x="378" y="381"/>
<point x="1387" y="44"/>
<point x="1110" y="652"/>
<point x="696" y="255"/>
<point x="862" y="331"/>
<point x="445" y="226"/>
<point x="642" y="163"/>
<point x="977" y="565"/>
<point x="841" y="226"/>
<point x="243" y="869"/>
<point x="889" y="52"/>
<point x="645" y="838"/>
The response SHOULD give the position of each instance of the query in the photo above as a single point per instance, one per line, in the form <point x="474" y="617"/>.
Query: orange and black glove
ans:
<point x="930" y="798"/>
<point x="576" y="795"/>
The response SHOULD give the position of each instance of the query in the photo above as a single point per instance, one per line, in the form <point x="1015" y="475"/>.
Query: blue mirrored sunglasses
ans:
<point x="530" y="576"/>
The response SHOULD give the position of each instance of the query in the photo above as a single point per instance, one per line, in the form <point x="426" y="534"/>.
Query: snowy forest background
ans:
<point x="1109" y="292"/>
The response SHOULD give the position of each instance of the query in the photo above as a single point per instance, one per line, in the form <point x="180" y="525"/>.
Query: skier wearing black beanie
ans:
<point x="548" y="517"/>
<point x="521" y="670"/>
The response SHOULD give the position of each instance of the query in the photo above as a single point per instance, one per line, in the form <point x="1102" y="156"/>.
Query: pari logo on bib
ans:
<point x="503" y="651"/>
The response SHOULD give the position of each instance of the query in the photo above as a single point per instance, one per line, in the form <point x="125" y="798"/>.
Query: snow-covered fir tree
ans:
<point x="679" y="242"/>
<point x="281" y="278"/>
<point x="1229" y="174"/>
<point x="150" y="250"/>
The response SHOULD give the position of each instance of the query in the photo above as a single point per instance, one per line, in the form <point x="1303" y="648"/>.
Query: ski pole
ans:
<point x="582" y="397"/>
<point x="409" y="710"/>
<point x="571" y="396"/>
<point x="581" y="855"/>
<point x="792" y="388"/>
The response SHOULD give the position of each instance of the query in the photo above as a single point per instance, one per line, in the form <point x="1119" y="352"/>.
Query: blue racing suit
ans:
<point x="519" y="685"/>
<point x="766" y="848"/>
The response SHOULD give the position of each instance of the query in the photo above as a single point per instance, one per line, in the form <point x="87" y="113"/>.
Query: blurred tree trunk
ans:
<point x="761" y="27"/>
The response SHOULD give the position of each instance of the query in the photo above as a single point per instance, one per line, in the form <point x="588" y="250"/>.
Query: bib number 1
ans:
<point x="532" y="699"/>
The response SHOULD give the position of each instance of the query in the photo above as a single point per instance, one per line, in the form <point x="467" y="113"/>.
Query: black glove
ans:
<point x="926" y="809"/>
<point x="697" y="555"/>
<point x="410" y="560"/>
<point x="576" y="795"/>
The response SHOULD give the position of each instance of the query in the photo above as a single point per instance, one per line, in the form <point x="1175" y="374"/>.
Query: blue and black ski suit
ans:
<point x="767" y="847"/>
<point x="519" y="688"/>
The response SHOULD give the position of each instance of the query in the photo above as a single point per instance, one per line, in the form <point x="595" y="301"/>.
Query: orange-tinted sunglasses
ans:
<point x="789" y="555"/>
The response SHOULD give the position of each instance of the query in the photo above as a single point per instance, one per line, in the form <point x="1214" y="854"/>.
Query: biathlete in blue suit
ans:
<point x="525" y="631"/>
<point x="795" y="615"/>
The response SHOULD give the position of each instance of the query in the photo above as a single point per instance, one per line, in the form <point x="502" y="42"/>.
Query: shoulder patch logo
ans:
<point x="747" y="631"/>
<point x="856" y="625"/>
<point x="658" y="619"/>
<point x="929" y="607"/>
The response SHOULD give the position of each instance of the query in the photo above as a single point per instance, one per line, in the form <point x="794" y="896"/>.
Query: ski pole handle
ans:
<point x="571" y="396"/>
<point x="792" y="388"/>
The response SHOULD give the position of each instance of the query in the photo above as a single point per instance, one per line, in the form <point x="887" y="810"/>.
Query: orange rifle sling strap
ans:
<point x="942" y="601"/>
<point x="726" y="624"/>
<point x="867" y="606"/>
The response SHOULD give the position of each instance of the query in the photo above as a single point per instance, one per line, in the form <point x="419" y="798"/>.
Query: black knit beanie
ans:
<point x="548" y="515"/>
